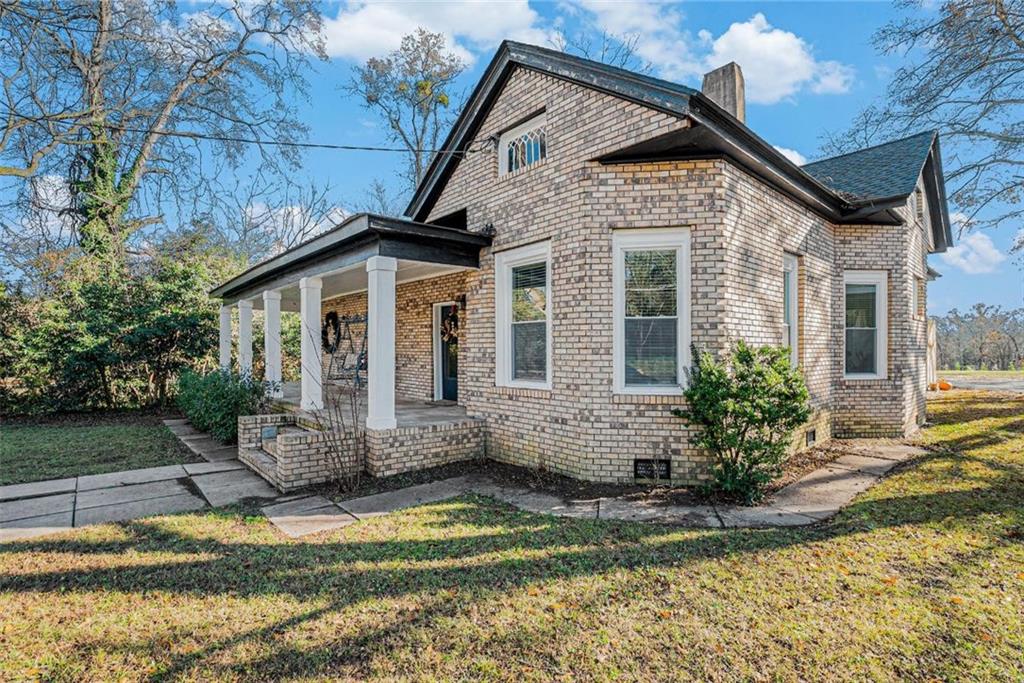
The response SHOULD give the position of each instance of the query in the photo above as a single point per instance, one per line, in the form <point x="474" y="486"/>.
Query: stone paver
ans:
<point x="145" y="507"/>
<point x="637" y="511"/>
<point x="118" y="495"/>
<point x="864" y="463"/>
<point x="824" y="492"/>
<point x="203" y="444"/>
<point x="172" y="421"/>
<point x="37" y="488"/>
<point x="379" y="504"/>
<point x="36" y="507"/>
<point x="732" y="516"/>
<point x="227" y="488"/>
<point x="184" y="431"/>
<point x="103" y="481"/>
<point x="309" y="515"/>
<point x="221" y="454"/>
<point x="211" y="467"/>
<point x="36" y="526"/>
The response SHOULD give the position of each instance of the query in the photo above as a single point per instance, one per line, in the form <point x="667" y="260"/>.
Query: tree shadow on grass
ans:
<point x="473" y="549"/>
<point x="526" y="549"/>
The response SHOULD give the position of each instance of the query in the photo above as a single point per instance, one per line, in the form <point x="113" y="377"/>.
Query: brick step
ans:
<point x="259" y="462"/>
<point x="270" y="446"/>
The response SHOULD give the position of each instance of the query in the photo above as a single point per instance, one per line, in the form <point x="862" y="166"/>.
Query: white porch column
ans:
<point x="245" y="337"/>
<point x="272" y="340"/>
<point x="311" y="369"/>
<point x="225" y="338"/>
<point x="380" y="331"/>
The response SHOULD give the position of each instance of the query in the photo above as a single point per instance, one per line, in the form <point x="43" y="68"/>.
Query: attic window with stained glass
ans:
<point x="522" y="146"/>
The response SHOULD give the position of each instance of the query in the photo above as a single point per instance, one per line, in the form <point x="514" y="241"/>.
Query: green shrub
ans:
<point x="213" y="401"/>
<point x="745" y="412"/>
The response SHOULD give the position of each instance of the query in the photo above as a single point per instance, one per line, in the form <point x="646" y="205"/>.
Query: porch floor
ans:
<point x="409" y="412"/>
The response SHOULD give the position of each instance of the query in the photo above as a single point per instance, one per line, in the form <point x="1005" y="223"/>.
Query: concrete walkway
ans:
<point x="814" y="498"/>
<point x="38" y="508"/>
<point x="35" y="509"/>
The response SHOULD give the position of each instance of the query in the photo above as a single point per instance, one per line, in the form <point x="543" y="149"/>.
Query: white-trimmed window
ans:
<point x="523" y="316"/>
<point x="866" y="311"/>
<point x="522" y="146"/>
<point x="651" y="325"/>
<point x="791" y="307"/>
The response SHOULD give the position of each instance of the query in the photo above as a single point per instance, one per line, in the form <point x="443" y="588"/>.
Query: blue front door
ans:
<point x="449" y="353"/>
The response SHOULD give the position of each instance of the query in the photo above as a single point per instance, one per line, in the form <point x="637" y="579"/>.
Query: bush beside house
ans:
<point x="745" y="411"/>
<point x="213" y="401"/>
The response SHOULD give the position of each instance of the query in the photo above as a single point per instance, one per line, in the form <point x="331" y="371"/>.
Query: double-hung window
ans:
<point x="866" y="311"/>
<point x="523" y="316"/>
<point x="790" y="307"/>
<point x="651" y="325"/>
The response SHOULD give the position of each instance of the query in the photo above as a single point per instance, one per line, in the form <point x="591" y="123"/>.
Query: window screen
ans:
<point x="651" y="318"/>
<point x="861" y="329"/>
<point x="529" y="322"/>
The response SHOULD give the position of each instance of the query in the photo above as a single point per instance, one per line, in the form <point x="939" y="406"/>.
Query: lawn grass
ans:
<point x="921" y="578"/>
<point x="74" y="445"/>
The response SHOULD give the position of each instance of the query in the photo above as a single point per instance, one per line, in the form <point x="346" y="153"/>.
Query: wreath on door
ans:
<point x="450" y="326"/>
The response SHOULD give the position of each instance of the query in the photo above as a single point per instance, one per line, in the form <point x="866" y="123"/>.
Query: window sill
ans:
<point x="862" y="378"/>
<point x="649" y="391"/>
<point x="648" y="399"/>
<point x="523" y="390"/>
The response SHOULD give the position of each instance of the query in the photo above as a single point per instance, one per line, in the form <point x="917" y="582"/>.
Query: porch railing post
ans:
<point x="225" y="338"/>
<point x="380" y="330"/>
<point x="312" y="396"/>
<point x="245" y="337"/>
<point x="272" y="341"/>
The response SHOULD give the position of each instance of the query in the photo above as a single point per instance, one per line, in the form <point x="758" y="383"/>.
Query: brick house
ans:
<point x="587" y="226"/>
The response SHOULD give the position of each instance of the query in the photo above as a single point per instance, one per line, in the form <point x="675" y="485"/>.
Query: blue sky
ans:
<point x="809" y="68"/>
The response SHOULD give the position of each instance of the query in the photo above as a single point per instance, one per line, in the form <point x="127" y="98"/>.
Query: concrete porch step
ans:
<point x="269" y="446"/>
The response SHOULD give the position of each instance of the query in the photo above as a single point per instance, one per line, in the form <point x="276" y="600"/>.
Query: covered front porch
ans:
<point x="409" y="412"/>
<point x="360" y="265"/>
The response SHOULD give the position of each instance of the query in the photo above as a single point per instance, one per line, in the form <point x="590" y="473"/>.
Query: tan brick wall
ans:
<point x="740" y="229"/>
<point x="881" y="407"/>
<point x="406" y="449"/>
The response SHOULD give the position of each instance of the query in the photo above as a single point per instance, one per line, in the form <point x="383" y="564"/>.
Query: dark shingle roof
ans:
<point x="887" y="170"/>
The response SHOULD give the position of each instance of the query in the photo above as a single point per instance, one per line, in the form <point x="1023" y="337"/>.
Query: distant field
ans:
<point x="982" y="373"/>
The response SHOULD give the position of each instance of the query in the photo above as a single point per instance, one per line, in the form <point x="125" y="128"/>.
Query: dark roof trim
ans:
<point x="935" y="189"/>
<point x="360" y="236"/>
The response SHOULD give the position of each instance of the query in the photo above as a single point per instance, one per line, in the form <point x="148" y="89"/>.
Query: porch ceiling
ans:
<point x="338" y="255"/>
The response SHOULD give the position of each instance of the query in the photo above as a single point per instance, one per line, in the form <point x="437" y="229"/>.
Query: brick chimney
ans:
<point x="724" y="87"/>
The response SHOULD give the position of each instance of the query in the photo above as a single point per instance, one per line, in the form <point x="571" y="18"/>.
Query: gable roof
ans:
<point x="715" y="133"/>
<point x="890" y="169"/>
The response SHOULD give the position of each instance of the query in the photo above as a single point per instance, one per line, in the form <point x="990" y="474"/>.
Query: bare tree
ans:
<point x="265" y="215"/>
<point x="412" y="91"/>
<point x="379" y="199"/>
<point x="608" y="48"/>
<point x="964" y="77"/>
<point x="138" y="104"/>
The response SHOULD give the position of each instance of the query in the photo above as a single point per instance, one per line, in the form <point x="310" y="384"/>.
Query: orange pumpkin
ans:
<point x="944" y="385"/>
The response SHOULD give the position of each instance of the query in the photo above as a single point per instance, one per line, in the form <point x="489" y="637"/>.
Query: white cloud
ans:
<point x="791" y="154"/>
<point x="975" y="254"/>
<point x="662" y="41"/>
<point x="776" y="63"/>
<point x="367" y="29"/>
